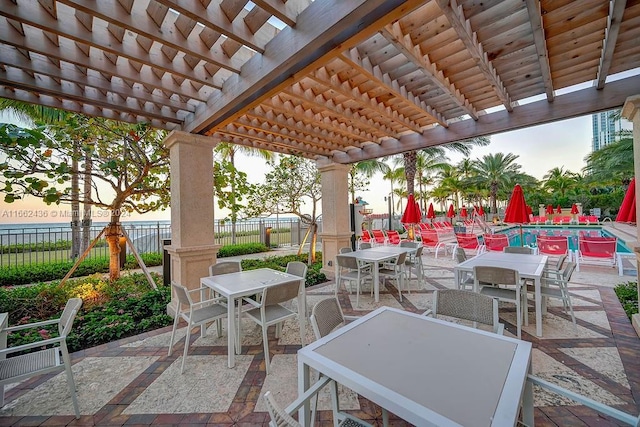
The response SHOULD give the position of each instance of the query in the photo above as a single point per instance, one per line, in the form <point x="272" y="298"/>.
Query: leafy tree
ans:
<point x="230" y="188"/>
<point x="291" y="184"/>
<point x="130" y="168"/>
<point x="227" y="151"/>
<point x="360" y="172"/>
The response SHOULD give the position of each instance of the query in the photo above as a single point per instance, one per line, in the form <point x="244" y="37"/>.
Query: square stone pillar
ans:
<point x="193" y="246"/>
<point x="336" y="225"/>
<point x="631" y="111"/>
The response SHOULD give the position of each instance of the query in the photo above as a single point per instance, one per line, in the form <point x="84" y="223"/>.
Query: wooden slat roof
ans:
<point x="338" y="80"/>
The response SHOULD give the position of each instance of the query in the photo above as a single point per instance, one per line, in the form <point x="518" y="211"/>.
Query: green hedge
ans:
<point x="241" y="249"/>
<point x="314" y="275"/>
<point x="35" y="273"/>
<point x="628" y="295"/>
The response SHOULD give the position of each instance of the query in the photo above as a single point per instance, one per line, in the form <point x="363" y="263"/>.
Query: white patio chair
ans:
<point x="466" y="305"/>
<point x="414" y="263"/>
<point x="298" y="268"/>
<point x="282" y="417"/>
<point x="345" y="250"/>
<point x="352" y="270"/>
<point x="555" y="284"/>
<point x="395" y="270"/>
<point x="52" y="359"/>
<point x="195" y="314"/>
<point x="268" y="310"/>
<point x="465" y="279"/>
<point x="488" y="281"/>
<point x="633" y="420"/>
<point x="225" y="267"/>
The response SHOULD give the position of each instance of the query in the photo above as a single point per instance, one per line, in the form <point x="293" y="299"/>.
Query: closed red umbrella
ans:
<point x="529" y="210"/>
<point x="463" y="212"/>
<point x="516" y="211"/>
<point x="480" y="211"/>
<point x="627" y="212"/>
<point x="411" y="215"/>
<point x="549" y="209"/>
<point x="559" y="209"/>
<point x="574" y="209"/>
<point x="451" y="212"/>
<point x="431" y="214"/>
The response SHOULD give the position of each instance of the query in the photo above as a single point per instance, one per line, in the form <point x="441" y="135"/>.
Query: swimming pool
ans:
<point x="530" y="234"/>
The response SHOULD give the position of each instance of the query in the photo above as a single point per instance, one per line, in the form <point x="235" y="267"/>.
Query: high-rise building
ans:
<point x="605" y="129"/>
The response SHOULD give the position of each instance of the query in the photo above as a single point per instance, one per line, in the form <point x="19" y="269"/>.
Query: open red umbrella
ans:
<point x="627" y="212"/>
<point x="559" y="209"/>
<point x="411" y="215"/>
<point x="463" y="212"/>
<point x="431" y="214"/>
<point x="516" y="211"/>
<point x="574" y="209"/>
<point x="451" y="212"/>
<point x="549" y="209"/>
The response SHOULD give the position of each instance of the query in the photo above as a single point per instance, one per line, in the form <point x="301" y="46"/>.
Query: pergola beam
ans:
<point x="394" y="35"/>
<point x="462" y="27"/>
<point x="574" y="104"/>
<point x="286" y="12"/>
<point x="616" y="10"/>
<point x="322" y="31"/>
<point x="535" y="18"/>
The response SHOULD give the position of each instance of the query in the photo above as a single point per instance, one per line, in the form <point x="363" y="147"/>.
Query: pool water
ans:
<point x="530" y="234"/>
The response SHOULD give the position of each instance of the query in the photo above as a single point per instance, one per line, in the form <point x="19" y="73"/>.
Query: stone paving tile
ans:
<point x="134" y="382"/>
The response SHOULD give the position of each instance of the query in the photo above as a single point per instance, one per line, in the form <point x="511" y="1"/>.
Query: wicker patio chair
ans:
<point x="489" y="281"/>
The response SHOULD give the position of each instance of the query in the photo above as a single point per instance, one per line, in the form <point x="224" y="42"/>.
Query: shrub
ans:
<point x="36" y="273"/>
<point x="628" y="295"/>
<point x="314" y="275"/>
<point x="241" y="249"/>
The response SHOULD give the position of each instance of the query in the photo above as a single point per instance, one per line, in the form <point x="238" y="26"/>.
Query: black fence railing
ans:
<point x="34" y="244"/>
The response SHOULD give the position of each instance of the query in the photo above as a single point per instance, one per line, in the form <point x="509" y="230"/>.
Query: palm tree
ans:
<point x="464" y="147"/>
<point x="612" y="163"/>
<point x="367" y="168"/>
<point x="394" y="176"/>
<point x="496" y="172"/>
<point x="559" y="180"/>
<point x="228" y="151"/>
<point x="428" y="162"/>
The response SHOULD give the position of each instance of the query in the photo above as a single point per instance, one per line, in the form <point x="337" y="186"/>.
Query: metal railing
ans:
<point x="50" y="243"/>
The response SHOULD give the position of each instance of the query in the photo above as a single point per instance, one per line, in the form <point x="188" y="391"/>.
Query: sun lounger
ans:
<point x="596" y="251"/>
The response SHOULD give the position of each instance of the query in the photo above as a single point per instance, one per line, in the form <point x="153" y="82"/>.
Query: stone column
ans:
<point x="631" y="111"/>
<point x="336" y="226"/>
<point x="193" y="246"/>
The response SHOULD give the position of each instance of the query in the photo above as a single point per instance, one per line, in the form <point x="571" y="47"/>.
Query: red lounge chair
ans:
<point x="553" y="245"/>
<point x="366" y="237"/>
<point x="393" y="237"/>
<point x="596" y="250"/>
<point x="379" y="237"/>
<point x="469" y="242"/>
<point x="433" y="240"/>
<point x="495" y="242"/>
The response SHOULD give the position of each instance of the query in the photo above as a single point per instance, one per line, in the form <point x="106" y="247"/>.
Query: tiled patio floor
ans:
<point x="133" y="381"/>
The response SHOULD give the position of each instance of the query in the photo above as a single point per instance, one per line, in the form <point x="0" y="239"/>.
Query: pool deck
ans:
<point x="133" y="382"/>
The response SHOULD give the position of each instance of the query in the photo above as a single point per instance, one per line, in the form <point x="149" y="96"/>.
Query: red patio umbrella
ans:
<point x="549" y="209"/>
<point x="451" y="212"/>
<point x="463" y="212"/>
<point x="431" y="214"/>
<point x="559" y="209"/>
<point x="574" y="209"/>
<point x="627" y="212"/>
<point x="516" y="211"/>
<point x="529" y="210"/>
<point x="480" y="211"/>
<point x="411" y="215"/>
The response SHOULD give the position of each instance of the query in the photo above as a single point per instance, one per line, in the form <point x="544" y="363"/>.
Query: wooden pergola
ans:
<point x="344" y="80"/>
<point x="337" y="81"/>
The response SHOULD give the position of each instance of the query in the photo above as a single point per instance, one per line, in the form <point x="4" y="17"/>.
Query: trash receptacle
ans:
<point x="166" y="263"/>
<point x="267" y="237"/>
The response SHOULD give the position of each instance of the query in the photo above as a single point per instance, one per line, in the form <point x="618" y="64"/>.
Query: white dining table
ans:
<point x="528" y="266"/>
<point x="376" y="255"/>
<point x="428" y="372"/>
<point x="235" y="286"/>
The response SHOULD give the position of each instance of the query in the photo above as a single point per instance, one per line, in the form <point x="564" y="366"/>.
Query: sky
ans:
<point x="539" y="149"/>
